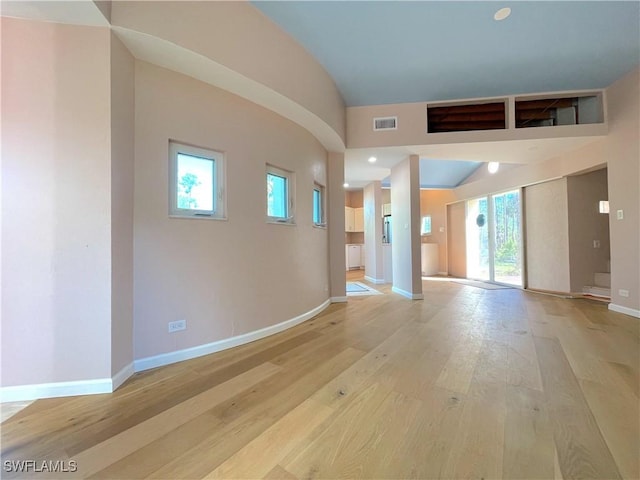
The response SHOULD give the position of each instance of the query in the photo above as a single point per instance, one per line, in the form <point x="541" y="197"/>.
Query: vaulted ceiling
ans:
<point x="382" y="52"/>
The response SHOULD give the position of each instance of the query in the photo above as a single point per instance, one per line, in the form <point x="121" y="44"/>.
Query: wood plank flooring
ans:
<point x="469" y="383"/>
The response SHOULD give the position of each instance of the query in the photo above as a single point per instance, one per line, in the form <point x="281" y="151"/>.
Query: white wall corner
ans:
<point x="376" y="281"/>
<point x="627" y="311"/>
<point x="409" y="295"/>
<point x="122" y="376"/>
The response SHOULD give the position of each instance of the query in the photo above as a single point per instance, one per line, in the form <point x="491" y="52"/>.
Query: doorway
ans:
<point x="494" y="238"/>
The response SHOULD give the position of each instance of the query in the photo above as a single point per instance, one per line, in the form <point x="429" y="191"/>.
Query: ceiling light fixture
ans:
<point x="493" y="167"/>
<point x="502" y="14"/>
<point x="345" y="185"/>
<point x="372" y="159"/>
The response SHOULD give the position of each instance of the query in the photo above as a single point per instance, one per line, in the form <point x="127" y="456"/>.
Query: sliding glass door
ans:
<point x="478" y="261"/>
<point x="494" y="238"/>
<point x="507" y="238"/>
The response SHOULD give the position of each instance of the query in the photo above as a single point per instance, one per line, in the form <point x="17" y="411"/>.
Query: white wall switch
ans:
<point x="596" y="244"/>
<point x="441" y="229"/>
<point x="620" y="215"/>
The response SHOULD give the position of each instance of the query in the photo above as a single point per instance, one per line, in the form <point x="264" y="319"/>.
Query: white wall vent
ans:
<point x="385" y="123"/>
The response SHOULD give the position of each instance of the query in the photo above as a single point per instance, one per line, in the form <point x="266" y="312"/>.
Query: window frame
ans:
<point x="322" y="223"/>
<point x="218" y="212"/>
<point x="422" y="224"/>
<point x="289" y="177"/>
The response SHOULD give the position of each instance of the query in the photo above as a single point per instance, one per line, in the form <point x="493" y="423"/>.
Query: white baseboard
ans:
<point x="122" y="376"/>
<point x="58" y="389"/>
<point x="338" y="299"/>
<point x="409" y="295"/>
<point x="193" y="352"/>
<point x="444" y="274"/>
<point x="627" y="311"/>
<point x="108" y="385"/>
<point x="376" y="281"/>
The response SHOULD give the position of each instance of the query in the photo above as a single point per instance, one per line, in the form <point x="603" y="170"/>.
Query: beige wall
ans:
<point x="622" y="155"/>
<point x="230" y="277"/>
<point x="373" y="231"/>
<point x="456" y="240"/>
<point x="405" y="211"/>
<point x="386" y="195"/>
<point x="434" y="203"/>
<point x="354" y="198"/>
<point x="122" y="172"/>
<point x="246" y="42"/>
<point x="586" y="224"/>
<point x="337" y="260"/>
<point x="620" y="150"/>
<point x="547" y="233"/>
<point x="56" y="203"/>
<point x="412" y="127"/>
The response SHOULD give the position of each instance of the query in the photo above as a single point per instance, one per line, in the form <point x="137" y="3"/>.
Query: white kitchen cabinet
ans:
<point x="349" y="219"/>
<point x="358" y="219"/>
<point x="353" y="255"/>
<point x="363" y="253"/>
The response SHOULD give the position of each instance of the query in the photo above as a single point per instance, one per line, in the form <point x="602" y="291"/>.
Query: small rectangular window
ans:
<point x="196" y="182"/>
<point x="425" y="228"/>
<point x="280" y="188"/>
<point x="318" y="205"/>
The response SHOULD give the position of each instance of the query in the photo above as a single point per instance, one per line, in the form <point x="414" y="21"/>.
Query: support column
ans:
<point x="373" y="271"/>
<point x="405" y="214"/>
<point x="335" y="224"/>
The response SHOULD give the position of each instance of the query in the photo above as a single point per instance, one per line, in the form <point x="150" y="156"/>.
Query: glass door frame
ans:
<point x="492" y="233"/>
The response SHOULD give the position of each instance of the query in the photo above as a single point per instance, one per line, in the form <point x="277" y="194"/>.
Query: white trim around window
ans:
<point x="318" y="216"/>
<point x="196" y="182"/>
<point x="280" y="189"/>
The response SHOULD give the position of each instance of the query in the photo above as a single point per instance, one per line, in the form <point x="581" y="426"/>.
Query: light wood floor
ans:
<point x="469" y="383"/>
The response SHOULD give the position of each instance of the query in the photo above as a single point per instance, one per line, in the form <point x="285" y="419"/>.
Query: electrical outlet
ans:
<point x="596" y="244"/>
<point x="177" y="326"/>
<point x="620" y="215"/>
<point x="623" y="293"/>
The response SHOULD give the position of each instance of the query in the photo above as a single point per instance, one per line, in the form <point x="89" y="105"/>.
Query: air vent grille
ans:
<point x="385" y="123"/>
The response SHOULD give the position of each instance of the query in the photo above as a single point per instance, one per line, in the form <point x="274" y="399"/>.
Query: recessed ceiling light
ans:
<point x="372" y="159"/>
<point x="502" y="14"/>
<point x="493" y="167"/>
<point x="345" y="184"/>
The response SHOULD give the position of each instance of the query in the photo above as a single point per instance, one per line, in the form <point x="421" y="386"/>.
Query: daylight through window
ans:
<point x="279" y="195"/>
<point x="318" y="205"/>
<point x="196" y="182"/>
